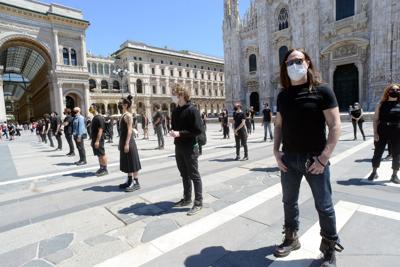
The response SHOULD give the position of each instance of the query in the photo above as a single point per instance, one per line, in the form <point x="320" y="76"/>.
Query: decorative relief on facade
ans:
<point x="252" y="84"/>
<point x="345" y="51"/>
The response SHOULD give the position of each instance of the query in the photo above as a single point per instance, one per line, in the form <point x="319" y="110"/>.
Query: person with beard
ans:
<point x="55" y="122"/>
<point x="129" y="156"/>
<point x="79" y="132"/>
<point x="68" y="131"/>
<point x="97" y="132"/>
<point x="186" y="126"/>
<point x="387" y="130"/>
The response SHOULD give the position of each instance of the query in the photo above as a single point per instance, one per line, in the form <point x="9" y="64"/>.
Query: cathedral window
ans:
<point x="135" y="68"/>
<point x="73" y="58"/>
<point x="92" y="84"/>
<point x="283" y="19"/>
<point x="104" y="84"/>
<point x="66" y="56"/>
<point x="252" y="63"/>
<point x="140" y="68"/>
<point x="344" y="9"/>
<point x="139" y="86"/>
<point x="116" y="85"/>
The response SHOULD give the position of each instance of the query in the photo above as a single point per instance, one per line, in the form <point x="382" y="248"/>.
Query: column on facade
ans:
<point x="83" y="50"/>
<point x="148" y="107"/>
<point x="56" y="48"/>
<point x="59" y="98"/>
<point x="105" y="103"/>
<point x="86" y="99"/>
<point x="2" y="100"/>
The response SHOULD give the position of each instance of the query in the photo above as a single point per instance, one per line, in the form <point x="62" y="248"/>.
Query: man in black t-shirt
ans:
<point x="157" y="122"/>
<point x="55" y="122"/>
<point x="97" y="137"/>
<point x="304" y="108"/>
<point x="267" y="118"/>
<point x="239" y="119"/>
<point x="68" y="131"/>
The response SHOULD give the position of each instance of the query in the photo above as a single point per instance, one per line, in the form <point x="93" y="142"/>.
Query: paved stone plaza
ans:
<point x="54" y="213"/>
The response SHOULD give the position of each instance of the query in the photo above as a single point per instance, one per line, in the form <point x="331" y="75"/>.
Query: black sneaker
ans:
<point x="132" y="187"/>
<point x="80" y="163"/>
<point x="194" y="210"/>
<point x="237" y="158"/>
<point x="395" y="179"/>
<point x="373" y="176"/>
<point x="246" y="158"/>
<point x="71" y="155"/>
<point x="101" y="172"/>
<point x="183" y="203"/>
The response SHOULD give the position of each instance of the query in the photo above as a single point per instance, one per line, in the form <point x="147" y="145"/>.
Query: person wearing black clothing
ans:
<point x="129" y="157"/>
<point x="357" y="119"/>
<point x="79" y="133"/>
<point x="55" y="122"/>
<point x="158" y="127"/>
<point x="186" y="126"/>
<point x="267" y="119"/>
<point x="68" y="131"/>
<point x="109" y="129"/>
<point x="239" y="119"/>
<point x="252" y="114"/>
<point x="89" y="126"/>
<point x="225" y="123"/>
<point x="304" y="107"/>
<point x="47" y="129"/>
<point x="168" y="121"/>
<point x="97" y="131"/>
<point x="387" y="129"/>
<point x="248" y="121"/>
<point x="204" y="120"/>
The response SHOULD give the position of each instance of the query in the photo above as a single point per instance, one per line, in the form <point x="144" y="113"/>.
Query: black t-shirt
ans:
<point x="97" y="123"/>
<point x="390" y="112"/>
<point x="303" y="121"/>
<point x="356" y="113"/>
<point x="267" y="117"/>
<point x="238" y="117"/>
<point x="68" y="128"/>
<point x="54" y="121"/>
<point x="252" y="113"/>
<point x="157" y="116"/>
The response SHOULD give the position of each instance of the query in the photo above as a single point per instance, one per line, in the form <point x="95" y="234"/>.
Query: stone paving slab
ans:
<point x="59" y="256"/>
<point x="19" y="256"/>
<point x="54" y="244"/>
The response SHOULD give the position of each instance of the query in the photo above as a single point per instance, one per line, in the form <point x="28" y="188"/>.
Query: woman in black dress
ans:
<point x="129" y="157"/>
<point x="357" y="119"/>
<point x="387" y="130"/>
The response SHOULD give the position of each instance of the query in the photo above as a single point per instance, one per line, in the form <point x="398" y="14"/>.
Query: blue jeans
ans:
<point x="267" y="128"/>
<point x="321" y="190"/>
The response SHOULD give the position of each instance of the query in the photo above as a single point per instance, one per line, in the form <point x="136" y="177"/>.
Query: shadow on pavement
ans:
<point x="362" y="182"/>
<point x="223" y="160"/>
<point x="65" y="164"/>
<point x="363" y="160"/>
<point x="153" y="209"/>
<point x="106" y="189"/>
<point x="269" y="169"/>
<point x="81" y="174"/>
<point x="56" y="156"/>
<point x="220" y="257"/>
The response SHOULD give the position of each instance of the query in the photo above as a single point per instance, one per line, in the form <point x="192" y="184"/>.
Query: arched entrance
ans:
<point x="69" y="102"/>
<point x="25" y="67"/>
<point x="346" y="85"/>
<point x="255" y="101"/>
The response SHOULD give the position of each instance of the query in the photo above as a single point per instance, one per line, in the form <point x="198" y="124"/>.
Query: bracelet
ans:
<point x="323" y="165"/>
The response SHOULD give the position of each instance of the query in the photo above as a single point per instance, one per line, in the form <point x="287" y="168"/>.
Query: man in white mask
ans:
<point x="304" y="107"/>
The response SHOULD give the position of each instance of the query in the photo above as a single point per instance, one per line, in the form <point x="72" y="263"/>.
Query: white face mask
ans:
<point x="296" y="72"/>
<point x="174" y="99"/>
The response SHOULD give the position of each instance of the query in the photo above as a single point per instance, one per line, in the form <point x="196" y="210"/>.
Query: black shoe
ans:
<point x="265" y="139"/>
<point x="373" y="176"/>
<point x="183" y="203"/>
<point x="126" y="184"/>
<point x="328" y="249"/>
<point x="388" y="158"/>
<point x="237" y="158"/>
<point x="395" y="179"/>
<point x="101" y="172"/>
<point x="364" y="138"/>
<point x="290" y="243"/>
<point x="133" y="187"/>
<point x="194" y="210"/>
<point x="80" y="163"/>
<point x="245" y="158"/>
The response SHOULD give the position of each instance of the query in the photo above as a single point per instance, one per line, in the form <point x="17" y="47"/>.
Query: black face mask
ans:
<point x="394" y="93"/>
<point x="235" y="108"/>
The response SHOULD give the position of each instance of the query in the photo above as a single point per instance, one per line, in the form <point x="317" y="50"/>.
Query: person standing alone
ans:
<point x="267" y="118"/>
<point x="97" y="139"/>
<point x="186" y="127"/>
<point x="239" y="119"/>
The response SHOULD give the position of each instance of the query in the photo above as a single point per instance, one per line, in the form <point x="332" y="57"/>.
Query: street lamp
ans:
<point x="121" y="73"/>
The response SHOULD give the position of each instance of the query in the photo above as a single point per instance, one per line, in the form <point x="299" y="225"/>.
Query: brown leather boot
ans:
<point x="290" y="243"/>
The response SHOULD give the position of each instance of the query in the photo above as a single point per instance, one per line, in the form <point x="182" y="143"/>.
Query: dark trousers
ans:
<point x="59" y="141"/>
<point x="160" y="136"/>
<point x="267" y="128"/>
<point x="248" y="126"/>
<point x="49" y="135"/>
<point x="44" y="138"/>
<point x="253" y="125"/>
<point x="387" y="135"/>
<point x="187" y="162"/>
<point x="70" y="143"/>
<point x="321" y="190"/>
<point x="226" y="131"/>
<point x="241" y="140"/>
<point x="360" y="125"/>
<point x="81" y="149"/>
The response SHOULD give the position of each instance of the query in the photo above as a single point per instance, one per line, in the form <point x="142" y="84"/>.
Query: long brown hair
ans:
<point x="312" y="74"/>
<point x="385" y="96"/>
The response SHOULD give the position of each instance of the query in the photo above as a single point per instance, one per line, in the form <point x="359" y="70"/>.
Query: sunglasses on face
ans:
<point x="297" y="61"/>
<point x="394" y="90"/>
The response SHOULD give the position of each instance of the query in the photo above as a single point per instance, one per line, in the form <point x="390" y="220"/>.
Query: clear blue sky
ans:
<point x="194" y="25"/>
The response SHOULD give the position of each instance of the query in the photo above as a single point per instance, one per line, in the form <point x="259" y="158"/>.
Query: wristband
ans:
<point x="323" y="165"/>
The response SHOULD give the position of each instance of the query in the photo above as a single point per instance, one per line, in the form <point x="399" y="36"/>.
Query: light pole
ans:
<point x="121" y="73"/>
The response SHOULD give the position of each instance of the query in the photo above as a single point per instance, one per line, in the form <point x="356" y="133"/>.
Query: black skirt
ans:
<point x="129" y="162"/>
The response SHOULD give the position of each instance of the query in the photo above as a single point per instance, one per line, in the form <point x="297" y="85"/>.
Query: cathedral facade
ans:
<point x="355" y="44"/>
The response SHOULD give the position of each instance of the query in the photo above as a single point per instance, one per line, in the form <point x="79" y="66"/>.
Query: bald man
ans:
<point x="79" y="133"/>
